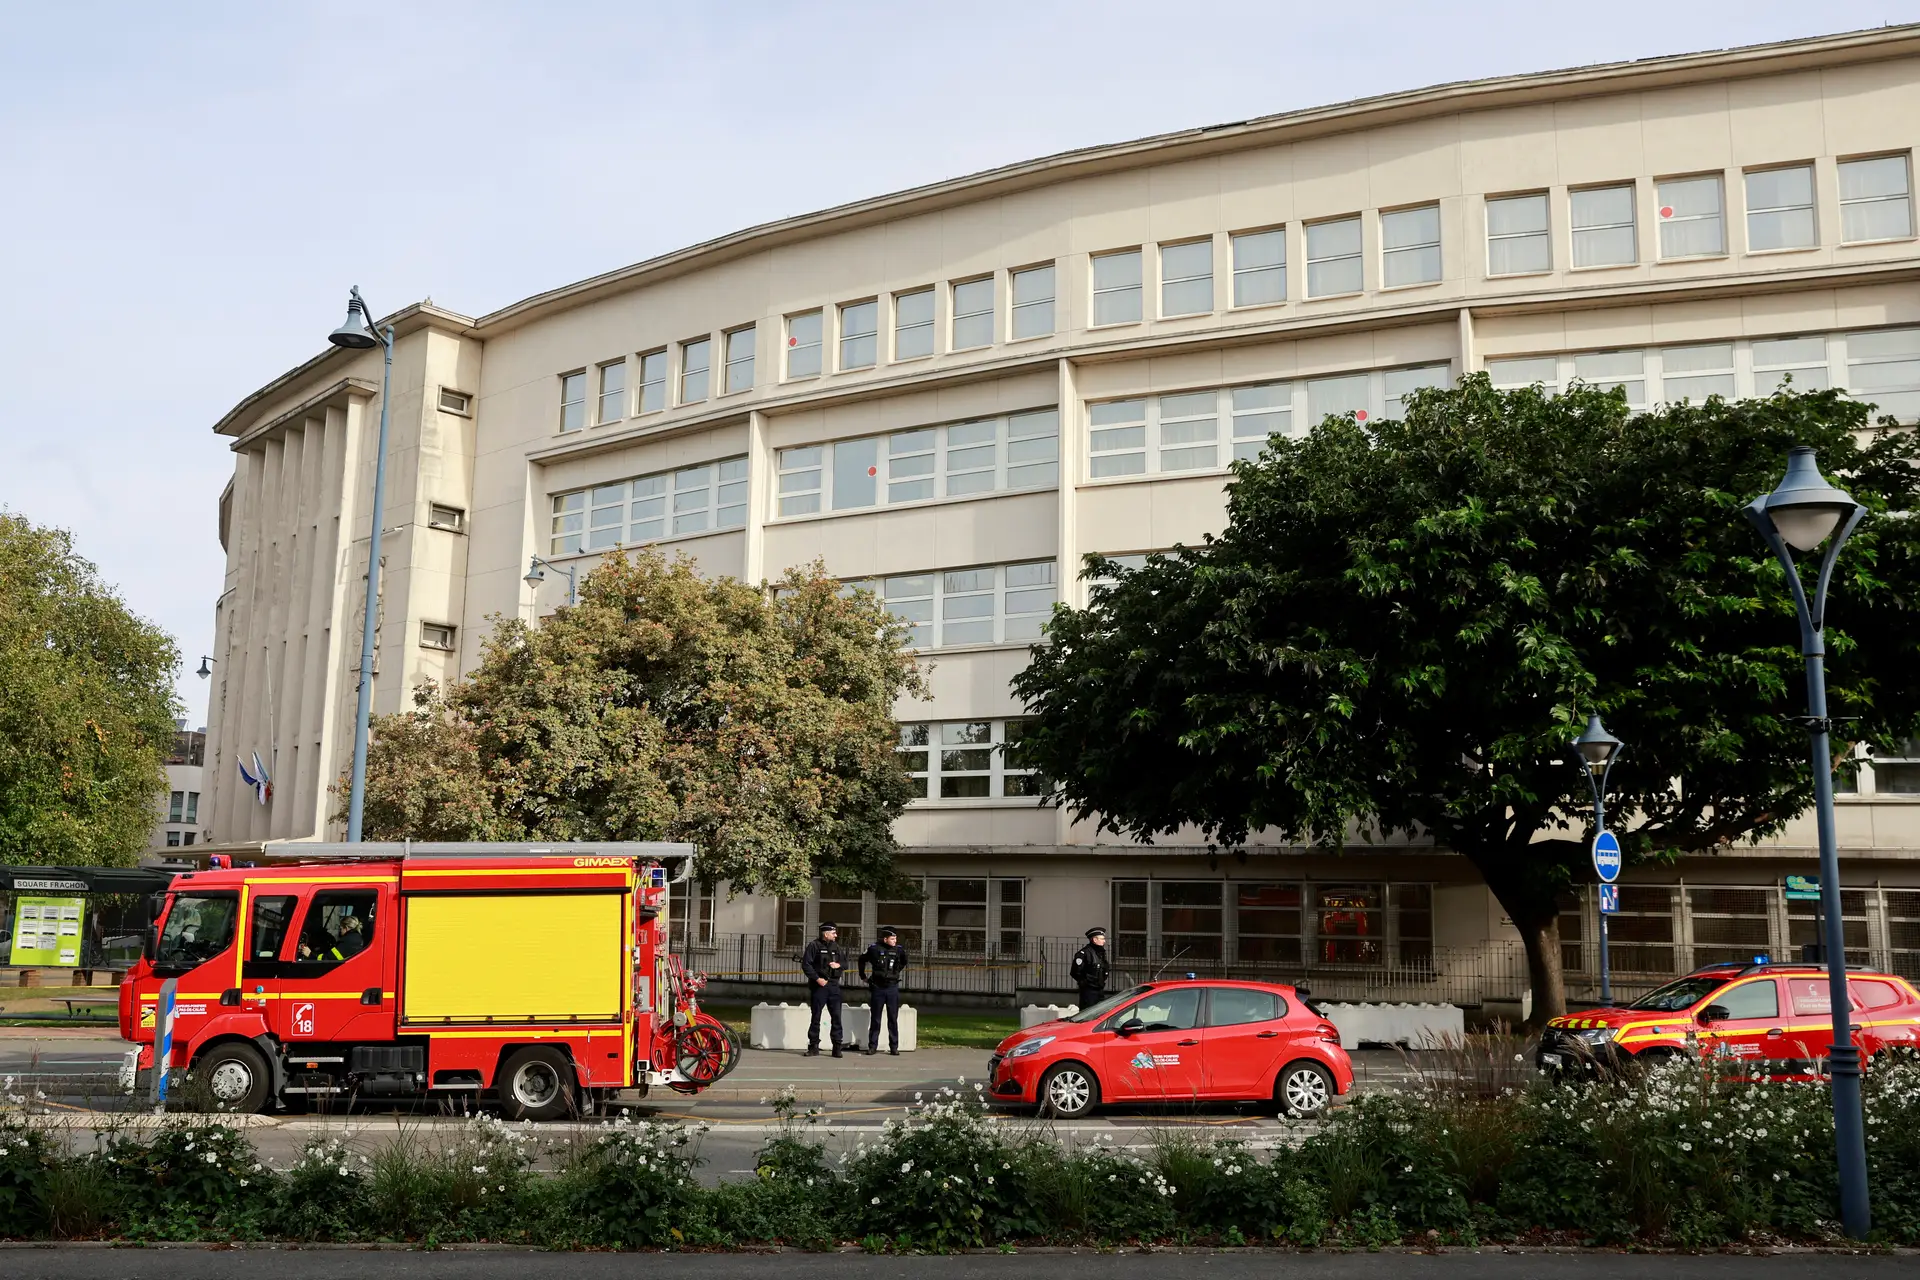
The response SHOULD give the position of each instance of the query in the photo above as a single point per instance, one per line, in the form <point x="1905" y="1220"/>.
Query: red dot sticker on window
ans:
<point x="873" y="471"/>
<point x="1666" y="211"/>
<point x="1359" y="415"/>
<point x="793" y="342"/>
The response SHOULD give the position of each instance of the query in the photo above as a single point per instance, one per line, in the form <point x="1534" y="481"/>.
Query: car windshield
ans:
<point x="1095" y="1012"/>
<point x="1676" y="996"/>
<point x="199" y="927"/>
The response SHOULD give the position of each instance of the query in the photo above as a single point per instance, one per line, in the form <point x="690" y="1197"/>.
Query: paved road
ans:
<point x="62" y="1263"/>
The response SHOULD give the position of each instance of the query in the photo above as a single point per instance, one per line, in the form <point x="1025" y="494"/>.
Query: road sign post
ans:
<point x="1606" y="865"/>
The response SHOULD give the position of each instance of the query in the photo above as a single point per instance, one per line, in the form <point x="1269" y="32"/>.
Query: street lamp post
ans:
<point x="536" y="574"/>
<point x="1801" y="513"/>
<point x="356" y="333"/>
<point x="1596" y="750"/>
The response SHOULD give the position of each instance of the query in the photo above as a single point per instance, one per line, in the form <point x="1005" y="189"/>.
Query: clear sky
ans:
<point x="187" y="189"/>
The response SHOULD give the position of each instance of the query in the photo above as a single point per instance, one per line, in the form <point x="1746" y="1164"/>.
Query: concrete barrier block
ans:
<point x="1033" y="1015"/>
<point x="784" y="1027"/>
<point x="858" y="1018"/>
<point x="1418" y="1026"/>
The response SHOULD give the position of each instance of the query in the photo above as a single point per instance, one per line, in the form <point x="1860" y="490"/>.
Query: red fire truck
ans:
<point x="537" y="974"/>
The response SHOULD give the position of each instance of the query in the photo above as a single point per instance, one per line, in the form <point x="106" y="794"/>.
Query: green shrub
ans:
<point x="324" y="1195"/>
<point x="943" y="1178"/>
<point x="26" y="1162"/>
<point x="632" y="1187"/>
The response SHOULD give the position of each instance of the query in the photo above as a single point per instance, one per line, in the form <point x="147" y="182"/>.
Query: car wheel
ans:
<point x="1303" y="1089"/>
<point x="1069" y="1091"/>
<point x="536" y="1084"/>
<point x="235" y="1078"/>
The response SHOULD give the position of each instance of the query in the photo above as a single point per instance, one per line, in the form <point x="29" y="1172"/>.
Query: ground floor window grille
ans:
<point x="1191" y="920"/>
<point x="1903" y="931"/>
<point x="1803" y="924"/>
<point x="1269" y="920"/>
<point x="1641" y="936"/>
<point x="1280" y="923"/>
<point x="1729" y="926"/>
<point x="972" y="917"/>
<point x="1573" y="932"/>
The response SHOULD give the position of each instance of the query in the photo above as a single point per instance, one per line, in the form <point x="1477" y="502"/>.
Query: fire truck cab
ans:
<point x="538" y="974"/>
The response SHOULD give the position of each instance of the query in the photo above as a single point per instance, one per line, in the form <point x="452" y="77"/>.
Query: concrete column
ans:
<point x="760" y="468"/>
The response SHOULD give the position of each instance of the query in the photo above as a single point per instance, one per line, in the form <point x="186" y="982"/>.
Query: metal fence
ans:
<point x="1469" y="976"/>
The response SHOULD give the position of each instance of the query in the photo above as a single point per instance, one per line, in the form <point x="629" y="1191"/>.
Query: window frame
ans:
<point x="1095" y="292"/>
<point x="1841" y="163"/>
<point x="1437" y="245"/>
<point x="903" y="589"/>
<point x="577" y="377"/>
<point x="726" y="496"/>
<point x="454" y="521"/>
<point x="464" y="409"/>
<point x="1051" y="302"/>
<point x="1748" y="209"/>
<point x="658" y="360"/>
<point x="1166" y="281"/>
<point x="1632" y="225"/>
<point x="1019" y="455"/>
<point x="926" y="739"/>
<point x="730" y="362"/>
<point x="442" y="637"/>
<point x="1545" y="233"/>
<point x="1236" y="271"/>
<point x="931" y="324"/>
<point x="793" y="344"/>
<point x="955" y="316"/>
<point x="703" y="344"/>
<point x="1661" y="221"/>
<point x="842" y="336"/>
<point x="615" y="368"/>
<point x="1358" y="257"/>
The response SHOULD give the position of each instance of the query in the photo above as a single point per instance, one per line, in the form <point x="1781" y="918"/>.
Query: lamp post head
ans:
<point x="535" y="574"/>
<point x="355" y="332"/>
<point x="1596" y="746"/>
<point x="1804" y="508"/>
<point x="205" y="670"/>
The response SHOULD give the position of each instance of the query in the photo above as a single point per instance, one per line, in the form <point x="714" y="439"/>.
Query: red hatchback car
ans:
<point x="1188" y="1041"/>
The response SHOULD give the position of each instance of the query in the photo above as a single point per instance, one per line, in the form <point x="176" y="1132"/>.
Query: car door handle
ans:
<point x="1775" y="1031"/>
<point x="1186" y="1042"/>
<point x="1268" y="1035"/>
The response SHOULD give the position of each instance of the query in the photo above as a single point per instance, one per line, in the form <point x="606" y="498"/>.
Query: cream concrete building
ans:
<point x="955" y="392"/>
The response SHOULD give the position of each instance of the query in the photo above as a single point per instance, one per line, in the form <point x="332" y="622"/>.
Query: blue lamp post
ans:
<point x="1801" y="513"/>
<point x="536" y="574"/>
<point x="356" y="333"/>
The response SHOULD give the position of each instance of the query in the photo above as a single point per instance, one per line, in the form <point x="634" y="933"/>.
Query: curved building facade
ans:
<point x="954" y="393"/>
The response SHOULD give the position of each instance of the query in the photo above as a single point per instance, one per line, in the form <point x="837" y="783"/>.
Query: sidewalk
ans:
<point x="854" y="1078"/>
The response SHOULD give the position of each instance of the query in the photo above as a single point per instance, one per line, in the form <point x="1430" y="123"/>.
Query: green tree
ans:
<point x="1405" y="623"/>
<point x="86" y="708"/>
<point x="667" y="706"/>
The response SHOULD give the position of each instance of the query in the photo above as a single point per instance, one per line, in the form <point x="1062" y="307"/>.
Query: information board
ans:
<point x="47" y="931"/>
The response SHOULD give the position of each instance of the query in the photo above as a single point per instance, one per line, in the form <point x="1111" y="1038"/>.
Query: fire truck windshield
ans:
<point x="199" y="927"/>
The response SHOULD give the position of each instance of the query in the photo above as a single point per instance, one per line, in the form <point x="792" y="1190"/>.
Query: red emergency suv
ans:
<point x="1184" y="1041"/>
<point x="1776" y="1014"/>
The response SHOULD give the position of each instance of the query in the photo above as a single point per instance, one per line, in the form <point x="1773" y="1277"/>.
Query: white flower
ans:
<point x="875" y="1200"/>
<point x="1686" y="1146"/>
<point x="907" y="1167"/>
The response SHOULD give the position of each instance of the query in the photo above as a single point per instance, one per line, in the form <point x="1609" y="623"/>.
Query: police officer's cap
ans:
<point x="888" y="931"/>
<point x="1095" y="932"/>
<point x="825" y="925"/>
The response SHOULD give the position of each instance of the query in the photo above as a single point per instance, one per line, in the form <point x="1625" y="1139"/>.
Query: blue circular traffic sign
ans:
<point x="1606" y="856"/>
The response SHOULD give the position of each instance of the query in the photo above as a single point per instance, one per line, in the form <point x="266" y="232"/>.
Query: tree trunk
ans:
<point x="1538" y="923"/>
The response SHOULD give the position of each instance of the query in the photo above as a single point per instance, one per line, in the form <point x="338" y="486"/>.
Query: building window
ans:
<point x="740" y="359"/>
<point x="1159" y="435"/>
<point x="186" y="837"/>
<point x="1348" y="923"/>
<point x="1260" y="268"/>
<point x="1033" y="302"/>
<point x="696" y="359"/>
<point x="689" y="915"/>
<point x="1695" y="373"/>
<point x="1780" y="209"/>
<point x="573" y="401"/>
<point x="1692" y="224"/>
<point x="173" y="839"/>
<point x="1603" y="227"/>
<point x="859" y="335"/>
<point x="1260" y="413"/>
<point x="803" y="345"/>
<point x="1518" y="243"/>
<point x="800" y="486"/>
<point x="1410" y="246"/>
<point x="1269" y="922"/>
<point x="1019" y="451"/>
<point x="653" y="381"/>
<point x="913" y="324"/>
<point x="904" y="917"/>
<point x="973" y="314"/>
<point x="793" y="922"/>
<point x="1333" y="257"/>
<point x="459" y="402"/>
<point x="441" y="516"/>
<point x="991" y="604"/>
<point x="632" y="512"/>
<point x="613" y="391"/>
<point x="1273" y="923"/>
<point x="437" y="635"/>
<point x="1609" y="370"/>
<point x="176" y="806"/>
<point x="1642" y="930"/>
<point x="1884" y="367"/>
<point x="1413" y="916"/>
<point x="1730" y="926"/>
<point x="967" y="760"/>
<point x="1116" y="287"/>
<point x="1796" y="363"/>
<point x="1526" y="371"/>
<point x="1186" y="278"/>
<point x="1876" y="199"/>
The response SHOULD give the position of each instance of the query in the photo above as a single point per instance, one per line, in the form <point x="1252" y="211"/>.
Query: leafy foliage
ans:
<point x="1405" y="623"/>
<point x="667" y="706"/>
<point x="86" y="708"/>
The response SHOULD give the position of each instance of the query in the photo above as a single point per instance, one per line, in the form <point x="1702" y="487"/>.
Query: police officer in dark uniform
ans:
<point x="881" y="965"/>
<point x="824" y="962"/>
<point x="1090" y="968"/>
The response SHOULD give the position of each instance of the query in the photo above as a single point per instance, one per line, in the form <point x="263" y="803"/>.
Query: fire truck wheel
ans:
<point x="536" y="1084"/>
<point x="236" y="1077"/>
